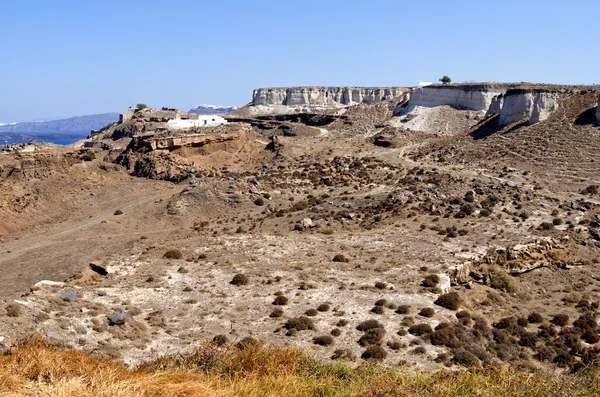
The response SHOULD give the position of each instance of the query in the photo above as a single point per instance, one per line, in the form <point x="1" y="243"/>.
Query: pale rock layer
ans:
<point x="324" y="97"/>
<point x="530" y="107"/>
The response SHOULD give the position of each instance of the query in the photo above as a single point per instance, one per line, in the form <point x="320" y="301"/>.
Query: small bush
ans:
<point x="13" y="310"/>
<point x="324" y="307"/>
<point x="378" y="310"/>
<point x="336" y="332"/>
<point x="419" y="350"/>
<point x="369" y="324"/>
<point x="118" y="212"/>
<point x="324" y="340"/>
<point x="501" y="280"/>
<point x="403" y="309"/>
<point x="373" y="336"/>
<point x="276" y="313"/>
<point x="465" y="358"/>
<point x="420" y="330"/>
<point x="259" y="201"/>
<point x="395" y="345"/>
<point x="220" y="340"/>
<point x="374" y="352"/>
<point x="280" y="300"/>
<point x="450" y="301"/>
<point x="340" y="258"/>
<point x="239" y="279"/>
<point x="311" y="312"/>
<point x="173" y="254"/>
<point x="381" y="302"/>
<point x="341" y="323"/>
<point x="557" y="221"/>
<point x="427" y="312"/>
<point x="535" y="318"/>
<point x="300" y="323"/>
<point x="431" y="281"/>
<point x="380" y="285"/>
<point x="545" y="226"/>
<point x="246" y="343"/>
<point x="560" y="320"/>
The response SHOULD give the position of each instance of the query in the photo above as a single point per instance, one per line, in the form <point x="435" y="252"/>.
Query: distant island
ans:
<point x="72" y="124"/>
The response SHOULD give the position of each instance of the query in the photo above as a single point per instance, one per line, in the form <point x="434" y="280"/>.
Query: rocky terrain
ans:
<point x="458" y="227"/>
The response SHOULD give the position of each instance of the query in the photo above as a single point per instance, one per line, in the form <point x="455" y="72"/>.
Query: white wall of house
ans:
<point x="203" y="120"/>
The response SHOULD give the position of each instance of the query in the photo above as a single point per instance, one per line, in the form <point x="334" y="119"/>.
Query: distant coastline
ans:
<point x="56" y="137"/>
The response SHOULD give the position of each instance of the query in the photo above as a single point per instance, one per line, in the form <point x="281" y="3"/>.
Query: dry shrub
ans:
<point x="369" y="324"/>
<point x="280" y="300"/>
<point x="430" y="281"/>
<point x="378" y="310"/>
<point x="465" y="358"/>
<point x="375" y="353"/>
<point x="535" y="318"/>
<point x="323" y="340"/>
<point x="173" y="254"/>
<point x="239" y="279"/>
<point x="420" y="329"/>
<point x="276" y="313"/>
<point x="403" y="309"/>
<point x="13" y="310"/>
<point x="311" y="312"/>
<point x="427" y="312"/>
<point x="373" y="336"/>
<point x="324" y="307"/>
<point x="501" y="280"/>
<point x="340" y="258"/>
<point x="450" y="301"/>
<point x="560" y="320"/>
<point x="300" y="323"/>
<point x="220" y="340"/>
<point x="247" y="342"/>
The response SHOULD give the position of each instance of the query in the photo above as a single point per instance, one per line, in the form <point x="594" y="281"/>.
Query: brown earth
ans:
<point x="326" y="219"/>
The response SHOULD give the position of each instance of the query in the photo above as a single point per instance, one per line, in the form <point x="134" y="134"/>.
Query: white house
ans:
<point x="201" y="121"/>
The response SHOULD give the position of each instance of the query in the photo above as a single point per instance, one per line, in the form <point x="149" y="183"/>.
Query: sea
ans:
<point x="56" y="137"/>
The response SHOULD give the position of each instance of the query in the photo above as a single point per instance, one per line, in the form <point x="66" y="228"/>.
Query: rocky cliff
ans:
<point x="469" y="97"/>
<point x="530" y="106"/>
<point x="598" y="112"/>
<point x="323" y="97"/>
<point x="529" y="103"/>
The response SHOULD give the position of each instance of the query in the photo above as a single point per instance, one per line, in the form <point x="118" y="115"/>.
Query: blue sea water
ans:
<point x="59" y="138"/>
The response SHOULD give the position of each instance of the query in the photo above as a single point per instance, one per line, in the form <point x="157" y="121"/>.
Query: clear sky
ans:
<point x="72" y="57"/>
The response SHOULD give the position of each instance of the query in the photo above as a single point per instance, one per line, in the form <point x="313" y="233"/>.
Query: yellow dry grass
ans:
<point x="36" y="369"/>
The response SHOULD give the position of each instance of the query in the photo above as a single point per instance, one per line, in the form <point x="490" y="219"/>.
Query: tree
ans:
<point x="446" y="80"/>
<point x="140" y="106"/>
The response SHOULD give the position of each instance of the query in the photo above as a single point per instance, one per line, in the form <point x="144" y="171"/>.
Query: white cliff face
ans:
<point x="323" y="97"/>
<point x="459" y="97"/>
<point x="531" y="107"/>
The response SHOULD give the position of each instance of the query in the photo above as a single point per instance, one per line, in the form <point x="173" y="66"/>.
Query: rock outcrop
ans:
<point x="468" y="97"/>
<point x="530" y="106"/>
<point x="598" y="112"/>
<point x="324" y="97"/>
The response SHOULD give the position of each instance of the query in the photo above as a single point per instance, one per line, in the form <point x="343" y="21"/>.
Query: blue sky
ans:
<point x="65" y="58"/>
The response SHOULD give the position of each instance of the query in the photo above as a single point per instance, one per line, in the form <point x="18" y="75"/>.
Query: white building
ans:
<point x="201" y="121"/>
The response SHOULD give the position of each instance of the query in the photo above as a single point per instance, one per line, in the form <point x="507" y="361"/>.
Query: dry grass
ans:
<point x="40" y="369"/>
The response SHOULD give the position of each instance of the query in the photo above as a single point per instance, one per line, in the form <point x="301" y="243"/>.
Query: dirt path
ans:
<point x="63" y="250"/>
